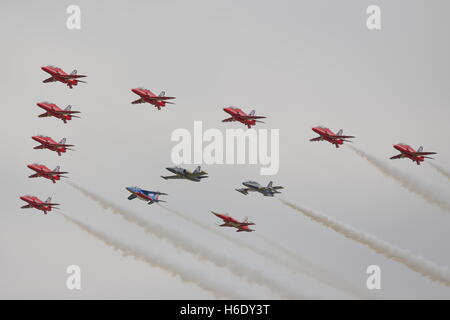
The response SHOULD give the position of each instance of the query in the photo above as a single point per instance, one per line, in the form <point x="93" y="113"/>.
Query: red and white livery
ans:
<point x="36" y="203"/>
<point x="146" y="96"/>
<point x="52" y="110"/>
<point x="231" y="222"/>
<point x="407" y="152"/>
<point x="50" y="144"/>
<point x="57" y="74"/>
<point x="42" y="171"/>
<point x="238" y="115"/>
<point x="326" y="134"/>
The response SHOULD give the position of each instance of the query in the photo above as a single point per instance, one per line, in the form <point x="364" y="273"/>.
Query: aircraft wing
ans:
<point x="155" y="192"/>
<point x="56" y="172"/>
<point x="44" y="204"/>
<point x="141" y="100"/>
<point x="66" y="112"/>
<point x="159" y="98"/>
<point x="252" y="117"/>
<point x="246" y="224"/>
<point x="172" y="177"/>
<point x="422" y="153"/>
<point x="51" y="79"/>
<point x="399" y="156"/>
<point x="335" y="136"/>
<point x="228" y="120"/>
<point x="341" y="137"/>
<point x="316" y="139"/>
<point x="72" y="76"/>
<point x="243" y="190"/>
<point x="59" y="145"/>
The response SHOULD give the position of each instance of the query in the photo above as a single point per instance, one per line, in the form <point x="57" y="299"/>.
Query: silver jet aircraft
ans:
<point x="181" y="173"/>
<point x="268" y="191"/>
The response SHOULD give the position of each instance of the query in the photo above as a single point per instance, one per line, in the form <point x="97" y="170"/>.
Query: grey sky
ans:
<point x="300" y="63"/>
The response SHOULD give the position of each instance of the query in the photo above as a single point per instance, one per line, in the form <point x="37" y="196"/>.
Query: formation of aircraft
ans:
<point x="57" y="74"/>
<point x="231" y="222"/>
<point x="35" y="202"/>
<point x="42" y="171"/>
<point x="328" y="135"/>
<point x="159" y="101"/>
<point x="253" y="186"/>
<point x="50" y="144"/>
<point x="407" y="152"/>
<point x="197" y="175"/>
<point x="146" y="96"/>
<point x="238" y="115"/>
<point x="148" y="196"/>
<point x="52" y="110"/>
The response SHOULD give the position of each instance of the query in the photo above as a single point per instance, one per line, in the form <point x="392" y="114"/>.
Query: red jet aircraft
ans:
<point x="43" y="171"/>
<point x="330" y="136"/>
<point x="57" y="74"/>
<point x="52" y="110"/>
<point x="238" y="115"/>
<point x="49" y="143"/>
<point x="231" y="222"/>
<point x="408" y="152"/>
<point x="35" y="202"/>
<point x="149" y="97"/>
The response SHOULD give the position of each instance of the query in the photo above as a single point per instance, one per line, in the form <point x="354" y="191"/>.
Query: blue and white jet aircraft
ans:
<point x="148" y="196"/>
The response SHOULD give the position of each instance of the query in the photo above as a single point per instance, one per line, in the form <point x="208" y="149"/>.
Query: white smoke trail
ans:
<point x="317" y="272"/>
<point x="405" y="181"/>
<point x="203" y="253"/>
<point x="441" y="170"/>
<point x="300" y="264"/>
<point x="185" y="274"/>
<point x="417" y="264"/>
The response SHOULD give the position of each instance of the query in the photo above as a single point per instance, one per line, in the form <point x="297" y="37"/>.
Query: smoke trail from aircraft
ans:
<point x="441" y="170"/>
<point x="203" y="253"/>
<point x="317" y="272"/>
<point x="300" y="264"/>
<point x="405" y="181"/>
<point x="415" y="263"/>
<point x="185" y="274"/>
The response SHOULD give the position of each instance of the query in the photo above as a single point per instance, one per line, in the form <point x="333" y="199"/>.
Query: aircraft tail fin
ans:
<point x="420" y="149"/>
<point x="74" y="72"/>
<point x="63" y="141"/>
<point x="56" y="169"/>
<point x="68" y="108"/>
<point x="270" y="184"/>
<point x="245" y="220"/>
<point x="162" y="94"/>
<point x="340" y="132"/>
<point x="252" y="113"/>
<point x="197" y="170"/>
<point x="49" y="199"/>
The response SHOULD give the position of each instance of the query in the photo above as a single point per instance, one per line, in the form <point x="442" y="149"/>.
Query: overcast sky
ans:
<point x="300" y="63"/>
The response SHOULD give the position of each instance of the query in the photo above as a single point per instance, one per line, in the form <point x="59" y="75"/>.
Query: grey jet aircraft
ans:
<point x="268" y="191"/>
<point x="181" y="173"/>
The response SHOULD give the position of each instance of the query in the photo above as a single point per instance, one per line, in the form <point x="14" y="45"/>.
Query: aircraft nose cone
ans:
<point x="134" y="90"/>
<point x="30" y="166"/>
